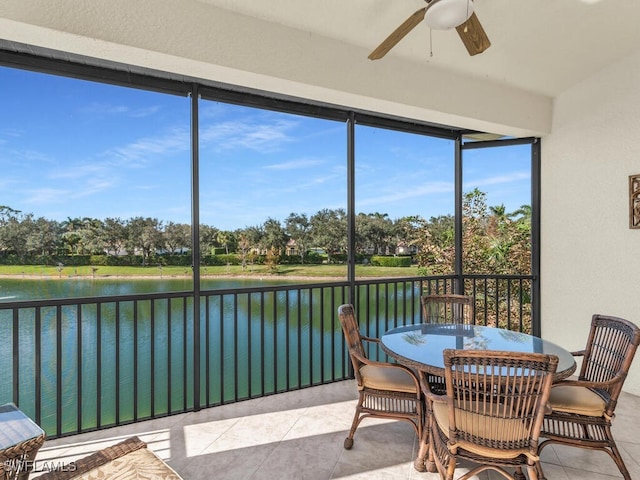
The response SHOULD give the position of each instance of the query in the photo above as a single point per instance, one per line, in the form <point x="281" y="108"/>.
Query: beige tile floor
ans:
<point x="299" y="435"/>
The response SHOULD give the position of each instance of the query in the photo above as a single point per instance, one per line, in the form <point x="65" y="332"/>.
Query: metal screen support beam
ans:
<point x="195" y="241"/>
<point x="535" y="236"/>
<point x="536" y="196"/>
<point x="351" y="208"/>
<point x="459" y="282"/>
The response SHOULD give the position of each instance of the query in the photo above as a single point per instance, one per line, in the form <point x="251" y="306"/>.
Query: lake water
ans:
<point x="12" y="289"/>
<point x="132" y="360"/>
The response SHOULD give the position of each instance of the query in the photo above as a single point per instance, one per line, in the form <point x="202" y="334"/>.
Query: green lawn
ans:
<point x="329" y="271"/>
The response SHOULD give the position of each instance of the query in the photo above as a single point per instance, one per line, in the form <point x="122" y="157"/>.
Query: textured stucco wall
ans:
<point x="590" y="257"/>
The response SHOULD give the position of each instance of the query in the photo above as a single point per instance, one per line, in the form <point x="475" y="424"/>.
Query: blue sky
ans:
<point x="71" y="148"/>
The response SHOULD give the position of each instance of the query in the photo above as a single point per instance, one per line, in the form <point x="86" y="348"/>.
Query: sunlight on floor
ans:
<point x="157" y="440"/>
<point x="265" y="428"/>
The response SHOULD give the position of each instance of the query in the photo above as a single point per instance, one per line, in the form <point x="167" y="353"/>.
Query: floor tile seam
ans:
<point x="586" y="473"/>
<point x="264" y="461"/>
<point x="229" y="434"/>
<point x="218" y="437"/>
<point x="300" y="416"/>
<point x="557" y="465"/>
<point x="623" y="447"/>
<point x="318" y="456"/>
<point x="362" y="469"/>
<point x="338" y="461"/>
<point x="556" y="458"/>
<point x="605" y="455"/>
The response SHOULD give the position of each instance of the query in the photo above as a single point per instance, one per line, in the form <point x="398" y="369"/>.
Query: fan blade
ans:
<point x="398" y="34"/>
<point x="473" y="35"/>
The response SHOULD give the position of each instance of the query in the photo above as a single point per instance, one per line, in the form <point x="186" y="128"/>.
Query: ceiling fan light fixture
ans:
<point x="447" y="14"/>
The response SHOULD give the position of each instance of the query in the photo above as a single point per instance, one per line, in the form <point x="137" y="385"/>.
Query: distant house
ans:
<point x="404" y="249"/>
<point x="291" y="248"/>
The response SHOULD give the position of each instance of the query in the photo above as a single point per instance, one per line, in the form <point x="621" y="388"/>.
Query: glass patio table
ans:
<point x="420" y="347"/>
<point x="20" y="440"/>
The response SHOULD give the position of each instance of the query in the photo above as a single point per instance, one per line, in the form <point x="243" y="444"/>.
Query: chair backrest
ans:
<point x="352" y="335"/>
<point x="447" y="308"/>
<point x="611" y="346"/>
<point x="497" y="399"/>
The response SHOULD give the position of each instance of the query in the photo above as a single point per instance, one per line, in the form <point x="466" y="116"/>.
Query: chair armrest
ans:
<point x="396" y="366"/>
<point x="370" y="339"/>
<point x="391" y="365"/>
<point x="375" y="363"/>
<point x="434" y="398"/>
<point x="588" y="384"/>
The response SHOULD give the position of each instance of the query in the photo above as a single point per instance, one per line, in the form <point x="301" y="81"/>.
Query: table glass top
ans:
<point x="16" y="427"/>
<point x="424" y="343"/>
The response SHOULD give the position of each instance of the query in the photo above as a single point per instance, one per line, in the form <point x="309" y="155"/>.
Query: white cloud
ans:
<point x="404" y="194"/>
<point x="93" y="186"/>
<point x="261" y="137"/>
<point x="74" y="172"/>
<point x="497" y="179"/>
<point x="110" y="109"/>
<point x="178" y="140"/>
<point x="10" y="132"/>
<point x="294" y="164"/>
<point x="47" y="196"/>
<point x="144" y="112"/>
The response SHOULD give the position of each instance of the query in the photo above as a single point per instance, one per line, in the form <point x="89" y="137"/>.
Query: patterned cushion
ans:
<point x="141" y="464"/>
<point x="385" y="378"/>
<point x="127" y="460"/>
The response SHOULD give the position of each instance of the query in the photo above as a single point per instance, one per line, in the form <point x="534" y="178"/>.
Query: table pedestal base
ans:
<point x="423" y="463"/>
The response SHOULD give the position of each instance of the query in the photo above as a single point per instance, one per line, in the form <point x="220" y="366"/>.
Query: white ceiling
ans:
<point x="541" y="46"/>
<point x="317" y="50"/>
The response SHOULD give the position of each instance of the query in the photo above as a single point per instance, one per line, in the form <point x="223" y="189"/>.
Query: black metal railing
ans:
<point x="82" y="364"/>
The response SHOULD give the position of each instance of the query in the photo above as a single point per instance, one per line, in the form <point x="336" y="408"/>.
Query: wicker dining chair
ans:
<point x="492" y="412"/>
<point x="385" y="390"/>
<point x="583" y="409"/>
<point x="445" y="308"/>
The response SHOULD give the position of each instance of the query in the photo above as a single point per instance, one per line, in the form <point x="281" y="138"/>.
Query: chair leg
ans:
<point x="422" y="463"/>
<point x="612" y="450"/>
<point x="615" y="454"/>
<point x="348" y="442"/>
<point x="541" y="445"/>
<point x="532" y="470"/>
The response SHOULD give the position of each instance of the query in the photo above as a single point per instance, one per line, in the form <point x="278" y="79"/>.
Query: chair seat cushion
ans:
<point x="501" y="430"/>
<point x="576" y="400"/>
<point x="385" y="378"/>
<point x="129" y="459"/>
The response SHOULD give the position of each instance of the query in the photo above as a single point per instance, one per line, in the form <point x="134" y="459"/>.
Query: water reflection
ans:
<point x="117" y="361"/>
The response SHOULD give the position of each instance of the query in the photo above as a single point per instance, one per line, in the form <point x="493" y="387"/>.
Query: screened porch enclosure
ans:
<point x="81" y="363"/>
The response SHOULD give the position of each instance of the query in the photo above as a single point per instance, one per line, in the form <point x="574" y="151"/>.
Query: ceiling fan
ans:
<point x="441" y="15"/>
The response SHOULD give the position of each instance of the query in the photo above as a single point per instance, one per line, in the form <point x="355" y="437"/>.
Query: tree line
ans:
<point x="492" y="237"/>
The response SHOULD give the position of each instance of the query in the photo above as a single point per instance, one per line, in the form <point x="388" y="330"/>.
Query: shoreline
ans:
<point x="35" y="276"/>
